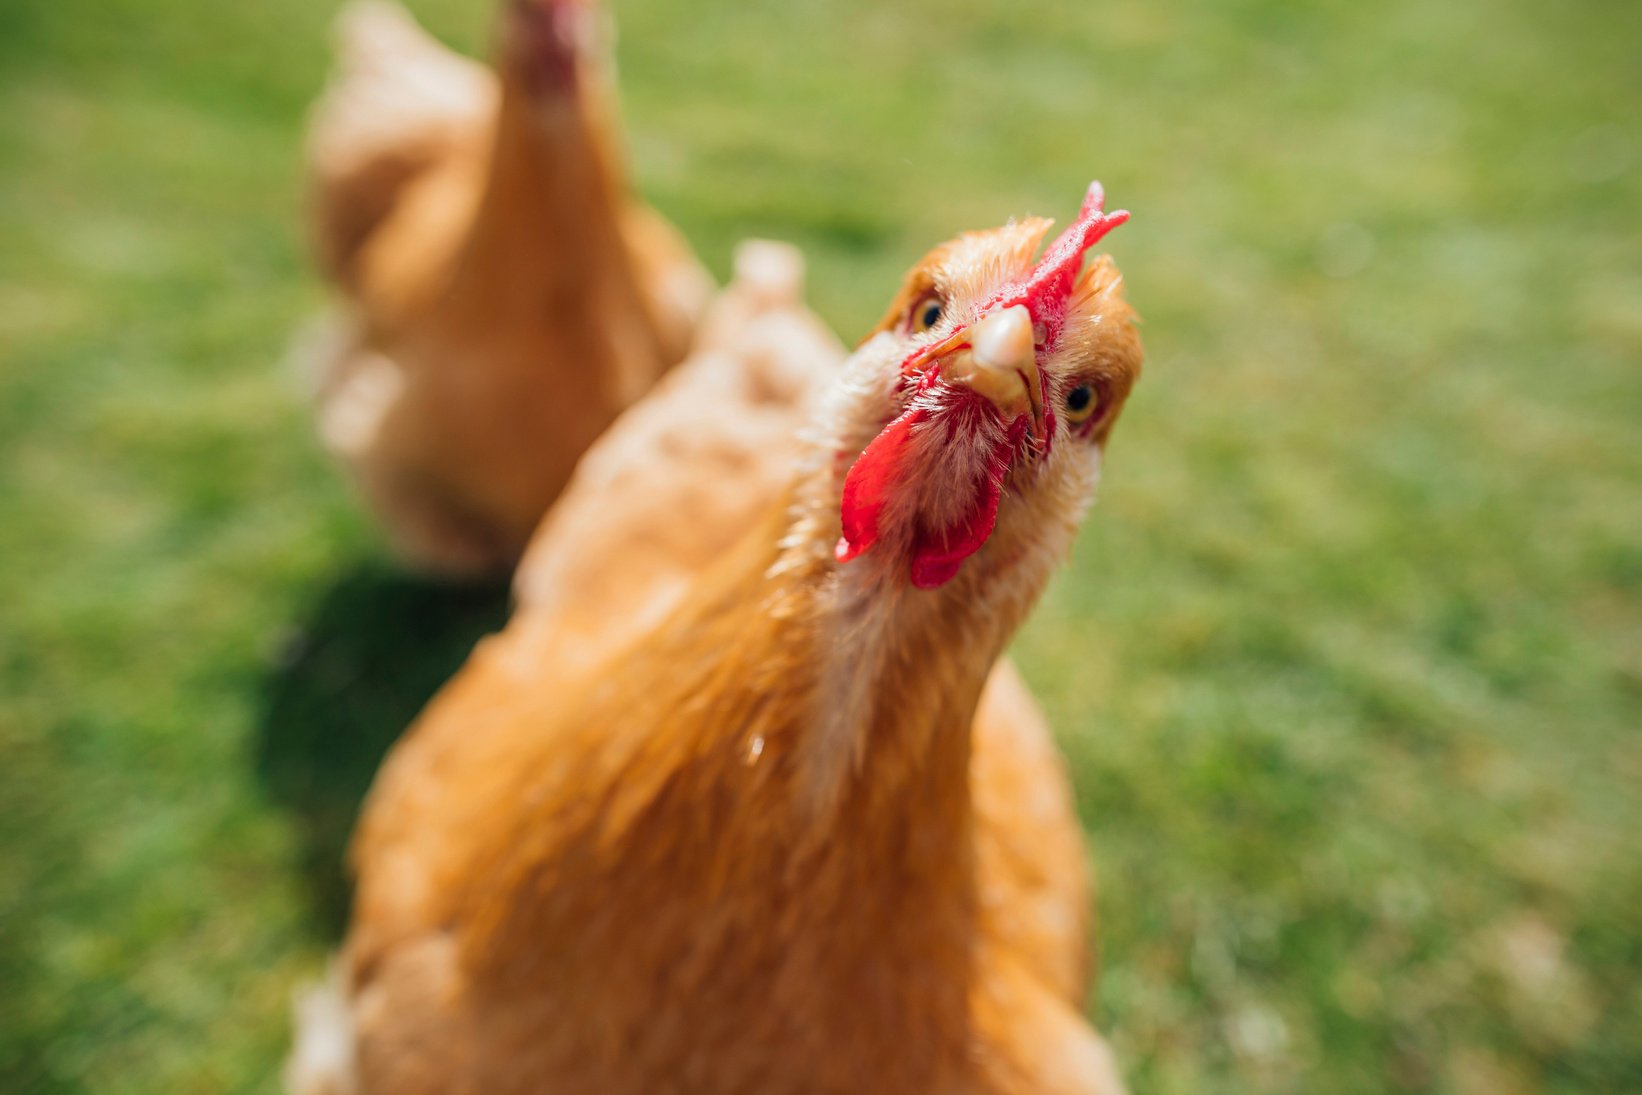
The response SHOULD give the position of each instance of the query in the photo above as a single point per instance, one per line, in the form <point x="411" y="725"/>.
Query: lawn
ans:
<point x="1348" y="663"/>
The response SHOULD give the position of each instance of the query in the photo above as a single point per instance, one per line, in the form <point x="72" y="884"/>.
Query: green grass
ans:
<point x="1348" y="665"/>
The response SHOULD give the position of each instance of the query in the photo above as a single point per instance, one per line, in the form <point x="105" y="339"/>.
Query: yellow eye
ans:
<point x="1080" y="404"/>
<point x="926" y="313"/>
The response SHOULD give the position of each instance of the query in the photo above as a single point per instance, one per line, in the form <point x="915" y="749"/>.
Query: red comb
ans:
<point x="1048" y="289"/>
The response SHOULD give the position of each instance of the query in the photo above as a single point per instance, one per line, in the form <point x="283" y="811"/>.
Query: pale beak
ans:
<point x="1001" y="365"/>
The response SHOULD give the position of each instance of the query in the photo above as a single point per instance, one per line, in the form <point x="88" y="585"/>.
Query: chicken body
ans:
<point x="504" y="297"/>
<point x="749" y="848"/>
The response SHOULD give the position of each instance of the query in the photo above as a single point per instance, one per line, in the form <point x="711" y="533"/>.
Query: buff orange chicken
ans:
<point x="744" y="849"/>
<point x="503" y="296"/>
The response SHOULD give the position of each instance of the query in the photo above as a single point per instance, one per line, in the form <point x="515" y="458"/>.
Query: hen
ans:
<point x="675" y="482"/>
<point x="741" y="852"/>
<point x="504" y="296"/>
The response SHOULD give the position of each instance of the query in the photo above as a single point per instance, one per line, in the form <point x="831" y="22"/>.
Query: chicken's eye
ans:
<point x="926" y="313"/>
<point x="1080" y="404"/>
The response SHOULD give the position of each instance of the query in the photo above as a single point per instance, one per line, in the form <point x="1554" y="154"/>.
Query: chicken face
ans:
<point x="980" y="405"/>
<point x="549" y="42"/>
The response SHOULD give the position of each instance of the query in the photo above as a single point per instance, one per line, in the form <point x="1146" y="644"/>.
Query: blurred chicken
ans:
<point x="504" y="296"/>
<point x="740" y="850"/>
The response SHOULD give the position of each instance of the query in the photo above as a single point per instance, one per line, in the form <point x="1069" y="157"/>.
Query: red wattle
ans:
<point x="869" y="482"/>
<point x="880" y="469"/>
<point x="936" y="557"/>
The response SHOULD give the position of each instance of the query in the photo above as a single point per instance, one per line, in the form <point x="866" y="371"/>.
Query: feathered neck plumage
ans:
<point x="554" y="182"/>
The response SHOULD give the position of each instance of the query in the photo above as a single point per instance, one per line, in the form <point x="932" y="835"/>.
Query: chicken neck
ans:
<point x="547" y="245"/>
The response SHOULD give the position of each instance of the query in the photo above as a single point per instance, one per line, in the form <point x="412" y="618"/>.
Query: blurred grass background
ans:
<point x="1348" y="665"/>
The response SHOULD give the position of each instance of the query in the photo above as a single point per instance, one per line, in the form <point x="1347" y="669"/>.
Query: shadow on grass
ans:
<point x="375" y="648"/>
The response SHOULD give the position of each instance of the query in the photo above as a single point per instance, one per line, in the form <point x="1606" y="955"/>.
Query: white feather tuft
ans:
<point x="323" y="1061"/>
